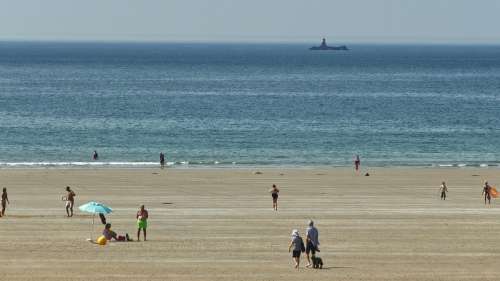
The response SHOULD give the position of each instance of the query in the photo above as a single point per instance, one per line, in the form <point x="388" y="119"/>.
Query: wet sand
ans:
<point x="219" y="224"/>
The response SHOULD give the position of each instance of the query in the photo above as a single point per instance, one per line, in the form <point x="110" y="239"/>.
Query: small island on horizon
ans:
<point x="325" y="47"/>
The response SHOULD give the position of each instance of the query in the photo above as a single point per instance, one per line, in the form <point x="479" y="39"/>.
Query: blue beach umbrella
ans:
<point x="94" y="208"/>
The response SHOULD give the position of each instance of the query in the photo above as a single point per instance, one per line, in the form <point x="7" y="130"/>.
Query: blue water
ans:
<point x="254" y="104"/>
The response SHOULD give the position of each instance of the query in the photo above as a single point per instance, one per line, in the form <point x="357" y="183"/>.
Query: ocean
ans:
<point x="238" y="105"/>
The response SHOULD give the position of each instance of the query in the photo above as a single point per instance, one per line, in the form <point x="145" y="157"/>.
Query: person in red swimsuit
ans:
<point x="357" y="163"/>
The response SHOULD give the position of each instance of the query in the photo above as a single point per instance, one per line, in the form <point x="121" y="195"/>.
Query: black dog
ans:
<point x="317" y="262"/>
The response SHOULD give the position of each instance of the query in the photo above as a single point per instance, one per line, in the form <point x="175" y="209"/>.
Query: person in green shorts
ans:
<point x="142" y="222"/>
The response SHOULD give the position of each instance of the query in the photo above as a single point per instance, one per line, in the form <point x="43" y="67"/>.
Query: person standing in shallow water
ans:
<point x="5" y="201"/>
<point x="444" y="190"/>
<point x="357" y="163"/>
<point x="142" y="222"/>
<point x="162" y="160"/>
<point x="95" y="156"/>
<point x="274" y="193"/>
<point x="487" y="193"/>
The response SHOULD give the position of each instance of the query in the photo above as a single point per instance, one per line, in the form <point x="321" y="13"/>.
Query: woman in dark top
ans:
<point x="296" y="247"/>
<point x="274" y="193"/>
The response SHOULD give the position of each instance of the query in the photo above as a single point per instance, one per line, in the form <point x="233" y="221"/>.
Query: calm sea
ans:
<point x="248" y="104"/>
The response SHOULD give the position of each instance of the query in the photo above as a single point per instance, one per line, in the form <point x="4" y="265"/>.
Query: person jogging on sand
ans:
<point x="274" y="193"/>
<point x="444" y="189"/>
<point x="142" y="222"/>
<point x="487" y="193"/>
<point x="5" y="201"/>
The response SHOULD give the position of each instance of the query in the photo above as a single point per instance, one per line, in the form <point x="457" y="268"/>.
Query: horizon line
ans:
<point x="247" y="41"/>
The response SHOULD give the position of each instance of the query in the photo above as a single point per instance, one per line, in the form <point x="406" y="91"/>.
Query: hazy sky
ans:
<point x="341" y="21"/>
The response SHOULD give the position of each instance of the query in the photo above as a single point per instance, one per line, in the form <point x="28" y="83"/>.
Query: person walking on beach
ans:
<point x="95" y="156"/>
<point x="5" y="201"/>
<point x="444" y="189"/>
<point x="357" y="163"/>
<point x="142" y="222"/>
<point x="274" y="193"/>
<point x="312" y="242"/>
<point x="162" y="160"/>
<point x="70" y="201"/>
<point x="487" y="193"/>
<point x="296" y="247"/>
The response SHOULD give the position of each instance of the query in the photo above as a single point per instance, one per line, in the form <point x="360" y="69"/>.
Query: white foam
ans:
<point x="77" y="164"/>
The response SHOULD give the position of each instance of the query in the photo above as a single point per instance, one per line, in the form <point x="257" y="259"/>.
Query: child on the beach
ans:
<point x="444" y="189"/>
<point x="274" y="193"/>
<point x="5" y="201"/>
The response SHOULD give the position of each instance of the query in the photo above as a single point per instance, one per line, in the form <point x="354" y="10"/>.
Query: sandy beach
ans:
<point x="218" y="224"/>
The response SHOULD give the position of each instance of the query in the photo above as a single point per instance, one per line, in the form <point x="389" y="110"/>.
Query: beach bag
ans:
<point x="302" y="247"/>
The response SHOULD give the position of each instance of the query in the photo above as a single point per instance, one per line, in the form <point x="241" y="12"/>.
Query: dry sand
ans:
<point x="219" y="225"/>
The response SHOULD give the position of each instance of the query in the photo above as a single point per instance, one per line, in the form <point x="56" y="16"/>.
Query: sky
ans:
<point x="341" y="21"/>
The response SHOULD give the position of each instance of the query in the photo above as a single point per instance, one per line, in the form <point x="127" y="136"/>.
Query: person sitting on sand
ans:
<point x="297" y="247"/>
<point x="274" y="193"/>
<point x="70" y="201"/>
<point x="5" y="201"/>
<point x="110" y="234"/>
<point x="312" y="242"/>
<point x="142" y="222"/>
<point x="444" y="190"/>
<point x="487" y="193"/>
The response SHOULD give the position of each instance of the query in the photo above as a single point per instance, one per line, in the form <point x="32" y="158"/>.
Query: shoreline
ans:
<point x="141" y="166"/>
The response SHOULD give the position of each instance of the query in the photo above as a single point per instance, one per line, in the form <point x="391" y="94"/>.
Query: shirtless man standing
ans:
<point x="142" y="222"/>
<point x="487" y="193"/>
<point x="70" y="201"/>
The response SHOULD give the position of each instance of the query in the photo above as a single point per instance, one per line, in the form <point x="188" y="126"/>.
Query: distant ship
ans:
<point x="324" y="47"/>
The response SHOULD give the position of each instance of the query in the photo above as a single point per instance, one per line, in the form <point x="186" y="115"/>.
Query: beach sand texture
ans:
<point x="218" y="224"/>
